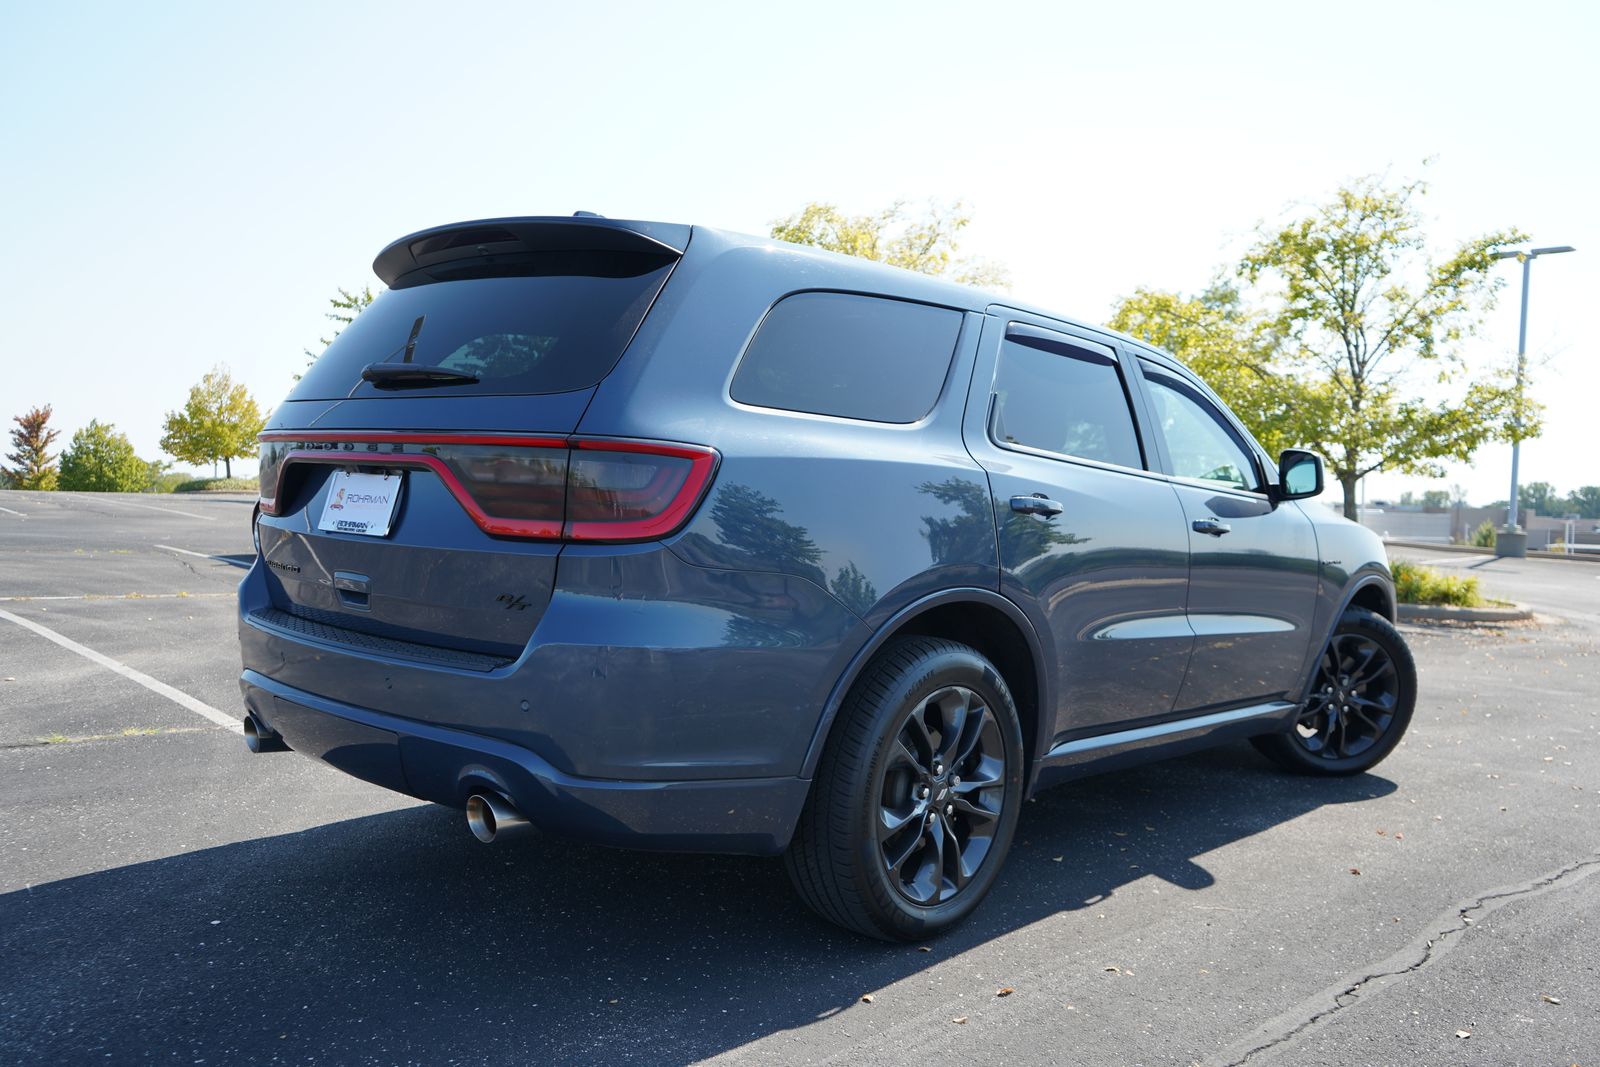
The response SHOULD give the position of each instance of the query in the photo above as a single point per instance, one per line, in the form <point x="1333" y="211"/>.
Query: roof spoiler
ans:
<point x="488" y="238"/>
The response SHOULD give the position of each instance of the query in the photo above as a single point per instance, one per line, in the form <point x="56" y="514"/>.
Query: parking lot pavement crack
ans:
<point x="1442" y="935"/>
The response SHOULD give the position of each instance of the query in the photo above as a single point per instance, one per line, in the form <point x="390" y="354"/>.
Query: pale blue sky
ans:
<point x="187" y="184"/>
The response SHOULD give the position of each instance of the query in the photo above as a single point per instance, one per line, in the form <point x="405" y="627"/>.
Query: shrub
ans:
<point x="1414" y="584"/>
<point x="1483" y="536"/>
<point x="230" y="485"/>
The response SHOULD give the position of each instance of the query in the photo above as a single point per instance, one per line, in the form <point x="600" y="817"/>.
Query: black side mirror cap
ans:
<point x="1300" y="474"/>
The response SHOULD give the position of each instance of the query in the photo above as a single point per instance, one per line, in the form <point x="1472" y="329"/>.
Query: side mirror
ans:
<point x="1299" y="474"/>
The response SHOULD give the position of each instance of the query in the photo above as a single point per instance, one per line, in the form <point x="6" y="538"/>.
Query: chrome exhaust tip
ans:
<point x="258" y="738"/>
<point x="491" y="817"/>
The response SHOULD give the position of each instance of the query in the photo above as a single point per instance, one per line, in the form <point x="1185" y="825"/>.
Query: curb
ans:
<point x="1451" y="613"/>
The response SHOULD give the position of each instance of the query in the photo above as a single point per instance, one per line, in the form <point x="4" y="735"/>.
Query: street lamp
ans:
<point x="1513" y="540"/>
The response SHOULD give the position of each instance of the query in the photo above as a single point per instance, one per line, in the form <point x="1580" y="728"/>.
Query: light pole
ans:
<point x="1513" y="540"/>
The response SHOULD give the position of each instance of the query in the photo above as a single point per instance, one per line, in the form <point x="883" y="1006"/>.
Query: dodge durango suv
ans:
<point x="670" y="538"/>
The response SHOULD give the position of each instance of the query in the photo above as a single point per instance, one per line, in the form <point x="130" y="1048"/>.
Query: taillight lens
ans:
<point x="579" y="489"/>
<point x="631" y="491"/>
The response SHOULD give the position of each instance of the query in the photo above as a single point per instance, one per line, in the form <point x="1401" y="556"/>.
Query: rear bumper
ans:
<point x="743" y="815"/>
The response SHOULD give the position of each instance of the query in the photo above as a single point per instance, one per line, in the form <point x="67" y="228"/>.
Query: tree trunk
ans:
<point x="1350" y="482"/>
<point x="227" y="466"/>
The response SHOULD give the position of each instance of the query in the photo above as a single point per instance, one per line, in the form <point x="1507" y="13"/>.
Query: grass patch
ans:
<point x="217" y="485"/>
<point x="1415" y="584"/>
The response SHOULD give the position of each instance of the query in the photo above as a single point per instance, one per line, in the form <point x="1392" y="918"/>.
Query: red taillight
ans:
<point x="578" y="489"/>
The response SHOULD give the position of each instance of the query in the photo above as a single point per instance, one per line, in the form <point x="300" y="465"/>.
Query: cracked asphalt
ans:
<point x="165" y="896"/>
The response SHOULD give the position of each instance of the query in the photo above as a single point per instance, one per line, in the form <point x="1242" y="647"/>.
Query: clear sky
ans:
<point x="186" y="184"/>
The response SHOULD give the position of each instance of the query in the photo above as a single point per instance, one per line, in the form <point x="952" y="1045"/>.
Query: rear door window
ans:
<point x="1062" y="395"/>
<point x="559" y="324"/>
<point x="855" y="357"/>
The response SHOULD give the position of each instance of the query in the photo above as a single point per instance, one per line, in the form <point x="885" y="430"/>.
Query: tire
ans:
<point x="880" y="771"/>
<point x="1358" y="704"/>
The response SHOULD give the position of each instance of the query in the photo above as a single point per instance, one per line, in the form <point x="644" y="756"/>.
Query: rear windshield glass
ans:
<point x="559" y="325"/>
<point x="858" y="357"/>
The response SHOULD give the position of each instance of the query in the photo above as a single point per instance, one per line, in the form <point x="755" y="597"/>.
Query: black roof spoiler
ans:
<point x="494" y="237"/>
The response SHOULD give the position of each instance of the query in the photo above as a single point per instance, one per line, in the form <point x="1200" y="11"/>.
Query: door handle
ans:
<point x="1211" y="526"/>
<point x="1037" y="504"/>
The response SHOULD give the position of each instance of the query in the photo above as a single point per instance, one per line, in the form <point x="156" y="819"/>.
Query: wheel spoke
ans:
<point x="921" y="740"/>
<point x="913" y="845"/>
<point x="903" y="755"/>
<point x="952" y="705"/>
<point x="938" y="863"/>
<point x="958" y="869"/>
<point x="892" y="822"/>
<point x="978" y="720"/>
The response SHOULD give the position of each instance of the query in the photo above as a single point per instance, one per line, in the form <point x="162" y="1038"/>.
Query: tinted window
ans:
<point x="1060" y="396"/>
<point x="858" y="357"/>
<point x="560" y="324"/>
<point x="1201" y="443"/>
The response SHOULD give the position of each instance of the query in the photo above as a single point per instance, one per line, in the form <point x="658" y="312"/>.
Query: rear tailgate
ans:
<point x="510" y="326"/>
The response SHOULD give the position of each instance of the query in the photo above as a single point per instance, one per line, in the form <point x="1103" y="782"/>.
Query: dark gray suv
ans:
<point x="671" y="538"/>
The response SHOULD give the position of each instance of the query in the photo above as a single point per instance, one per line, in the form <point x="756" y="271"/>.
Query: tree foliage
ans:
<point x="98" y="459"/>
<point x="31" y="465"/>
<point x="219" y="422"/>
<point x="1345" y="338"/>
<point x="346" y="306"/>
<point x="1540" y="497"/>
<point x="926" y="240"/>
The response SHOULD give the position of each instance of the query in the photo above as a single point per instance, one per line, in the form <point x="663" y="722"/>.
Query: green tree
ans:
<point x="925" y="240"/>
<point x="346" y="306"/>
<point x="1436" y="498"/>
<point x="100" y="460"/>
<point x="1584" y="501"/>
<point x="1230" y="345"/>
<point x="1371" y="324"/>
<point x="219" y="422"/>
<point x="1542" y="498"/>
<point x="32" y="466"/>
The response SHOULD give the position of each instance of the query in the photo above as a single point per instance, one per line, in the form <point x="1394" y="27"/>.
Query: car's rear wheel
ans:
<point x="916" y="796"/>
<point x="1359" y="704"/>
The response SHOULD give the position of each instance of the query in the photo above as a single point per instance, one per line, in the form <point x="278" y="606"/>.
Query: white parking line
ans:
<point x="169" y="511"/>
<point x="177" y="696"/>
<point x="202" y="555"/>
<point x="18" y="514"/>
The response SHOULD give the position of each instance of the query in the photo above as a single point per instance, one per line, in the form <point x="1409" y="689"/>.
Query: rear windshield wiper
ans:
<point x="403" y="375"/>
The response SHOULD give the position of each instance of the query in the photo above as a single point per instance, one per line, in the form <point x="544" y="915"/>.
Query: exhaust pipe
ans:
<point x="258" y="738"/>
<point x="491" y="817"/>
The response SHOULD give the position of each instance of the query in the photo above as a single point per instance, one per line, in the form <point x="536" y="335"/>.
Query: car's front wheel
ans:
<point x="916" y="796"/>
<point x="1359" y="704"/>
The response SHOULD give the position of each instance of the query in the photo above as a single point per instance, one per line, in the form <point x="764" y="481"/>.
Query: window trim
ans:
<point x="1235" y="432"/>
<point x="1034" y="332"/>
<point x="921" y="420"/>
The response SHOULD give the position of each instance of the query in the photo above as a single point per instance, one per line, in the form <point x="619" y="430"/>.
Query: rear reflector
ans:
<point x="574" y="489"/>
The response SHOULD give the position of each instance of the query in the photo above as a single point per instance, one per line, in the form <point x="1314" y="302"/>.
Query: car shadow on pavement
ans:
<point x="398" y="938"/>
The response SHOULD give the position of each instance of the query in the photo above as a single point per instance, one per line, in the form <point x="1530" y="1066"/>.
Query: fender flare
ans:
<point x="896" y="622"/>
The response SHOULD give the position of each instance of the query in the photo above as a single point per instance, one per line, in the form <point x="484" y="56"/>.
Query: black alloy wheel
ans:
<point x="1353" y="699"/>
<point x="940" y="801"/>
<point x="1358" y="705"/>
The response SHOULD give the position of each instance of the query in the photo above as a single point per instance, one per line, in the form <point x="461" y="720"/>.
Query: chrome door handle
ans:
<point x="1211" y="526"/>
<point x="1037" y="504"/>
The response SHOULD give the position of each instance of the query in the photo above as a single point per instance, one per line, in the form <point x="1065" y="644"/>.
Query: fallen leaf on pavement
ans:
<point x="1463" y="1034"/>
<point x="1355" y="870"/>
<point x="1004" y="991"/>
<point x="866" y="998"/>
<point x="924" y="948"/>
<point x="960" y="1019"/>
<point x="1548" y="999"/>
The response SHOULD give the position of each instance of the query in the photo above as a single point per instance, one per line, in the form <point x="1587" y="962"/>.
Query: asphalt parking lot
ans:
<point x="165" y="896"/>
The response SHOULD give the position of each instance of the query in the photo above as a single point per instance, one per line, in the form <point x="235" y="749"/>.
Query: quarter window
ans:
<point x="857" y="357"/>
<point x="1199" y="440"/>
<point x="1061" y="395"/>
